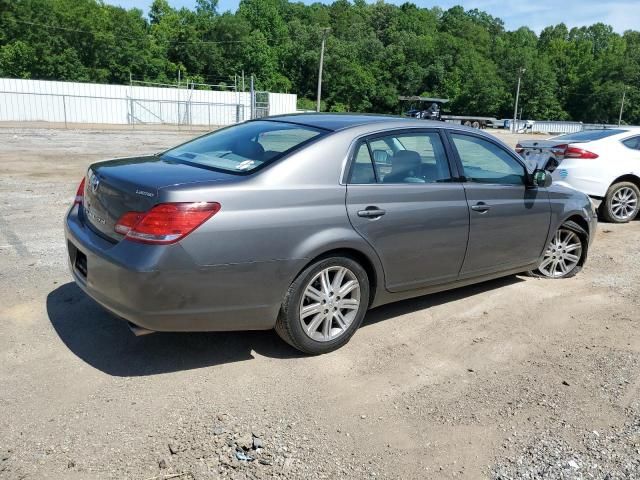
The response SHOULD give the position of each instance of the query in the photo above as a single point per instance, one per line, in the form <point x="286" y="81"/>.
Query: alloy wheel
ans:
<point x="562" y="255"/>
<point x="624" y="203"/>
<point x="330" y="303"/>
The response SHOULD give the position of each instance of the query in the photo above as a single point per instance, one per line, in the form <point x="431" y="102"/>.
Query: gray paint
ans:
<point x="233" y="271"/>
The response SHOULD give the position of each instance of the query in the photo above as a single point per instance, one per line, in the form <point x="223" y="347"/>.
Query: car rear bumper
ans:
<point x="140" y="283"/>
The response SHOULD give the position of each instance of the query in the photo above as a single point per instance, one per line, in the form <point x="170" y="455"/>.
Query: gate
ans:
<point x="183" y="112"/>
<point x="261" y="104"/>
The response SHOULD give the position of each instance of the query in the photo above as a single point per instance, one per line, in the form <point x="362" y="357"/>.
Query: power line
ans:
<point x="208" y="77"/>
<point x="197" y="42"/>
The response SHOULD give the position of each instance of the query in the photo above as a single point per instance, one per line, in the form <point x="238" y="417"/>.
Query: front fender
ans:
<point x="567" y="203"/>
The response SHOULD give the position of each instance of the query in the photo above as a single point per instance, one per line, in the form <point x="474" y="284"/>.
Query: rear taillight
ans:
<point x="569" y="151"/>
<point x="519" y="148"/>
<point x="127" y="222"/>
<point x="166" y="222"/>
<point x="575" y="152"/>
<point x="79" y="194"/>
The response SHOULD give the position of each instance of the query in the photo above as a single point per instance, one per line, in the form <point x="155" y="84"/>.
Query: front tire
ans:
<point x="565" y="253"/>
<point x="621" y="204"/>
<point x="324" y="305"/>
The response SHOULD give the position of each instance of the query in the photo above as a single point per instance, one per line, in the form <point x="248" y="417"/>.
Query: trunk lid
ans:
<point x="543" y="154"/>
<point x="115" y="187"/>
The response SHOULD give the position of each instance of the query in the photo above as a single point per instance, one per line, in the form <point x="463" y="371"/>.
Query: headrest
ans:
<point x="405" y="159"/>
<point x="249" y="149"/>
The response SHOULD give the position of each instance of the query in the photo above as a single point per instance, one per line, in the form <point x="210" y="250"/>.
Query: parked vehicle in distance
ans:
<point x="604" y="164"/>
<point x="427" y="108"/>
<point x="304" y="222"/>
<point x="522" y="126"/>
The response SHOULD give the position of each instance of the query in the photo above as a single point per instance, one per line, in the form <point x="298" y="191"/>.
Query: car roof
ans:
<point x="341" y="121"/>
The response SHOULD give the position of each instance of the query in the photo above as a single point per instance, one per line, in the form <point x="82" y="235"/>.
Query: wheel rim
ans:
<point x="624" y="203"/>
<point x="562" y="255"/>
<point x="330" y="303"/>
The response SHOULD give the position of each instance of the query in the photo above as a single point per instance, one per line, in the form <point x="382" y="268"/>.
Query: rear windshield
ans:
<point x="245" y="147"/>
<point x="589" y="135"/>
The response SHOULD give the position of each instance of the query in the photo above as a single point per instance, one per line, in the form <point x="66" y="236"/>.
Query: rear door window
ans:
<point x="633" y="142"/>
<point x="407" y="158"/>
<point x="362" y="171"/>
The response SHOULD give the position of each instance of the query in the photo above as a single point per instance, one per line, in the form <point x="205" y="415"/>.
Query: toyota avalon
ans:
<point x="304" y="222"/>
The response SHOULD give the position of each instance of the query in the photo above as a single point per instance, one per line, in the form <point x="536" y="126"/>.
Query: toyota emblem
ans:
<point x="95" y="183"/>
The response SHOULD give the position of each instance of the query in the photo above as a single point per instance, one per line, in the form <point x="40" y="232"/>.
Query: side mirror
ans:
<point x="542" y="178"/>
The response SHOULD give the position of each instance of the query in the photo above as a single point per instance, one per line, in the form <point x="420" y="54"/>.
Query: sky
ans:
<point x="535" y="14"/>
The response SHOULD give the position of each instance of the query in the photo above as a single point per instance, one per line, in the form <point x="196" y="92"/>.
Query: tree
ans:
<point x="207" y="7"/>
<point x="159" y="10"/>
<point x="374" y="52"/>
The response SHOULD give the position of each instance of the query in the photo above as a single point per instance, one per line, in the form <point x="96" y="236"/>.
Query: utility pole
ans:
<point x="253" y="99"/>
<point x="325" y="32"/>
<point x="514" y="129"/>
<point x="243" y="81"/>
<point x="624" y="92"/>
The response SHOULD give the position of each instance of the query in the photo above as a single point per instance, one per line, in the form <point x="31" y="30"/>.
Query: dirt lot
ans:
<point x="515" y="378"/>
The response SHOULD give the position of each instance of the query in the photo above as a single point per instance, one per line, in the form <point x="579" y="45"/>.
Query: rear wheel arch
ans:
<point x="629" y="177"/>
<point x="330" y="322"/>
<point x="373" y="273"/>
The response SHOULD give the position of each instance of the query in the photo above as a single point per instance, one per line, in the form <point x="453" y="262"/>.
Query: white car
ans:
<point x="604" y="164"/>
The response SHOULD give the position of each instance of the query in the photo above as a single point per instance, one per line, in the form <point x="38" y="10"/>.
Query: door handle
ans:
<point x="480" y="207"/>
<point x="371" y="212"/>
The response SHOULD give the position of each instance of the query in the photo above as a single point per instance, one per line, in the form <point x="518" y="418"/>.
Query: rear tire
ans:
<point x="324" y="305"/>
<point x="566" y="253"/>
<point x="621" y="203"/>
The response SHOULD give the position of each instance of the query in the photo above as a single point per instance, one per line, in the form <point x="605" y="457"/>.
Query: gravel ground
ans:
<point x="517" y="378"/>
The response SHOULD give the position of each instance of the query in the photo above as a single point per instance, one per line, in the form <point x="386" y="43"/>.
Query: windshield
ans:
<point x="588" y="135"/>
<point x="245" y="147"/>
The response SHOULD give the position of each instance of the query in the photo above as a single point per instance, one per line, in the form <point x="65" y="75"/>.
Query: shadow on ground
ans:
<point x="427" y="301"/>
<point x="106" y="343"/>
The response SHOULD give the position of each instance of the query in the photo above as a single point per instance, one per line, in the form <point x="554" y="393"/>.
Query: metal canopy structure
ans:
<point x="423" y="99"/>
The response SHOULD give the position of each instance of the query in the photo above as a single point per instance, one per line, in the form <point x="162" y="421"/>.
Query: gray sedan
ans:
<point x="304" y="222"/>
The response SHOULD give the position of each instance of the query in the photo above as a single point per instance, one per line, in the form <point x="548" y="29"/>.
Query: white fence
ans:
<point x="556" y="127"/>
<point x="71" y="102"/>
<point x="552" y="127"/>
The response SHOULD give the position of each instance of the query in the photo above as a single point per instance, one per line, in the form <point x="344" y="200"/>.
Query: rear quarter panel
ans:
<point x="290" y="213"/>
<point x="595" y="176"/>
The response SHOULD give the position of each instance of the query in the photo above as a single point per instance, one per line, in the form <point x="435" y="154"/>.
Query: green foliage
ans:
<point x="16" y="59"/>
<point x="374" y="52"/>
<point x="307" y="104"/>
